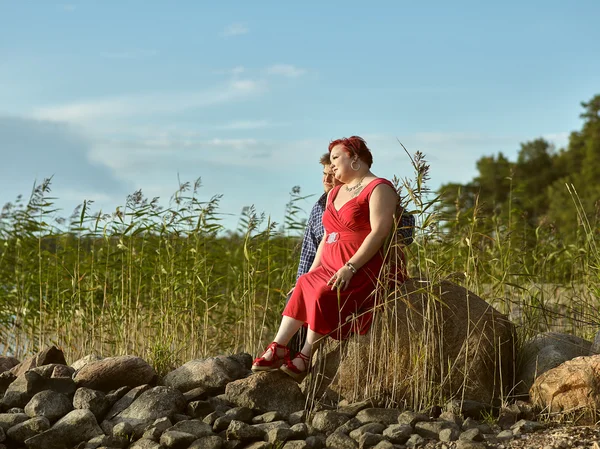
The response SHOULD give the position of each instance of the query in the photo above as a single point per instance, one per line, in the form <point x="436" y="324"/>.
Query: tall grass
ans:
<point x="171" y="284"/>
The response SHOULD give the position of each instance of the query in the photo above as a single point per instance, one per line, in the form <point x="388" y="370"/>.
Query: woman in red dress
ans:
<point x="335" y="296"/>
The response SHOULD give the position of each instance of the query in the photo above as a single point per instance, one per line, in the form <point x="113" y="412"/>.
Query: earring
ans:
<point x="352" y="166"/>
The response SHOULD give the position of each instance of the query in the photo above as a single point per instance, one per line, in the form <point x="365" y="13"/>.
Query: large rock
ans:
<point x="571" y="386"/>
<point x="595" y="348"/>
<point x="425" y="336"/>
<point x="544" y="352"/>
<point x="74" y="428"/>
<point x="7" y="363"/>
<point x="114" y="372"/>
<point x="211" y="374"/>
<point x="45" y="357"/>
<point x="267" y="391"/>
<point x="157" y="402"/>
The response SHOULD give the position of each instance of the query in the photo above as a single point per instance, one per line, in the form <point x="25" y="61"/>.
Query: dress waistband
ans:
<point x="333" y="237"/>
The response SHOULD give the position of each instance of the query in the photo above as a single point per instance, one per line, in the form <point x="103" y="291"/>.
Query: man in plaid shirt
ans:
<point x="314" y="231"/>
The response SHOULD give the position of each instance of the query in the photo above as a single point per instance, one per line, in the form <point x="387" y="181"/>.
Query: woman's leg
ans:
<point x="313" y="340"/>
<point x="287" y="329"/>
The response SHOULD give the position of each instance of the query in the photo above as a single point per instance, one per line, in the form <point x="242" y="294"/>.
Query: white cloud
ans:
<point x="150" y="104"/>
<point x="288" y="70"/>
<point x="235" y="29"/>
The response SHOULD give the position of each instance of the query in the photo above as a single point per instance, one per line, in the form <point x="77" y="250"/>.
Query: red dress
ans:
<point x="328" y="311"/>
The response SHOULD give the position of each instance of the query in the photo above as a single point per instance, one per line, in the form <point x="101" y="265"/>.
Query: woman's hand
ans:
<point x="341" y="279"/>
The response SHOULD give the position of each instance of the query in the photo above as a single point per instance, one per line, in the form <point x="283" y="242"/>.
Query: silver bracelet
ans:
<point x="351" y="267"/>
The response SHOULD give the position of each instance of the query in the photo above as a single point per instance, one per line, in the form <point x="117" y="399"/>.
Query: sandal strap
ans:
<point x="303" y="357"/>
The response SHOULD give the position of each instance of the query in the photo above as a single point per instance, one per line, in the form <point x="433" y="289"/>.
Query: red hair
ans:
<point x="354" y="146"/>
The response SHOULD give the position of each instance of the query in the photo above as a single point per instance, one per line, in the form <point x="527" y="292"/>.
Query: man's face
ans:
<point x="329" y="181"/>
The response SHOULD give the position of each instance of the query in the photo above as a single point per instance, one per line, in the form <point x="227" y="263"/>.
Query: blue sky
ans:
<point x="110" y="97"/>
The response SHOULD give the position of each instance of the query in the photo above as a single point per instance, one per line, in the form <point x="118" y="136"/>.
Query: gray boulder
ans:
<point x="211" y="374"/>
<point x="469" y="348"/>
<point x="155" y="403"/>
<point x="49" y="404"/>
<point x="6" y="363"/>
<point x="267" y="391"/>
<point x="28" y="429"/>
<point x="544" y="352"/>
<point x="114" y="372"/>
<point x="76" y="427"/>
<point x="45" y="357"/>
<point x="93" y="400"/>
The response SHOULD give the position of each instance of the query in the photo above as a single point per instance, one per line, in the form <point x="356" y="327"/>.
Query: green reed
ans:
<point x="171" y="284"/>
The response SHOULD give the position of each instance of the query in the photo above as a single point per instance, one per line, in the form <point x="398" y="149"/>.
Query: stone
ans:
<point x="49" y="404"/>
<point x="296" y="444"/>
<point x="294" y="417"/>
<point x="415" y="440"/>
<point x="157" y="428"/>
<point x="525" y="426"/>
<point x="544" y="352"/>
<point x="463" y="334"/>
<point x="211" y="374"/>
<point x="505" y="435"/>
<point x="372" y="427"/>
<point x="267" y="391"/>
<point x="239" y="430"/>
<point x="385" y="416"/>
<point x="279" y="435"/>
<point x="327" y="421"/>
<point x="450" y="416"/>
<point x="157" y="402"/>
<point x="210" y="442"/>
<point x="78" y="364"/>
<point x="300" y="431"/>
<point x="241" y="414"/>
<point x="447" y="435"/>
<point x="199" y="409"/>
<point x="266" y="427"/>
<point x="368" y="439"/>
<point x="172" y="439"/>
<point x="338" y="440"/>
<point x="354" y="408"/>
<point x="384" y="445"/>
<point x="6" y="363"/>
<point x="114" y="372"/>
<point x="145" y="444"/>
<point x="468" y="408"/>
<point x="93" y="400"/>
<point x="471" y="435"/>
<point x="269" y="417"/>
<point x="126" y="400"/>
<point x="398" y="433"/>
<point x="74" y="428"/>
<point x="432" y="429"/>
<point x="574" y="385"/>
<point x="194" y="427"/>
<point x="595" y="348"/>
<point x="7" y="420"/>
<point x="411" y="418"/>
<point x="349" y="426"/>
<point x="45" y="357"/>
<point x="28" y="429"/>
<point x="467" y="444"/>
<point x="123" y="430"/>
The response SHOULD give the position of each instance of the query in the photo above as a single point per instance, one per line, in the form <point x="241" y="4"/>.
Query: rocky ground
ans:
<point x="214" y="403"/>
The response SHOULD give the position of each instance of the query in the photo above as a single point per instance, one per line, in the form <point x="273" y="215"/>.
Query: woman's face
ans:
<point x="340" y="163"/>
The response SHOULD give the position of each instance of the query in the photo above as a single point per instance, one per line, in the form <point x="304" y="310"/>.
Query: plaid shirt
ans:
<point x="313" y="234"/>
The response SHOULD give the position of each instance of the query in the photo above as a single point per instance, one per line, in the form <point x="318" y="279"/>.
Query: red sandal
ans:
<point x="261" y="364"/>
<point x="293" y="371"/>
